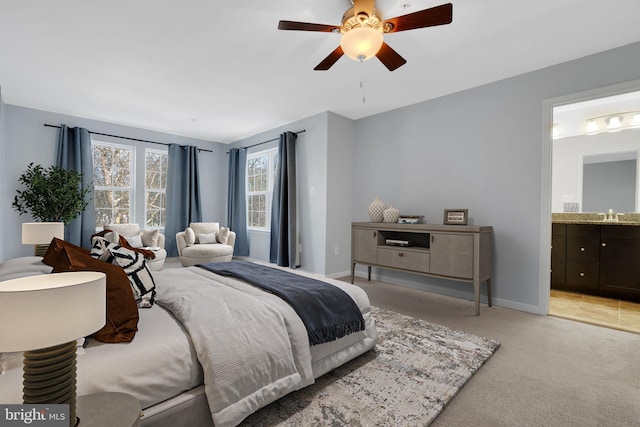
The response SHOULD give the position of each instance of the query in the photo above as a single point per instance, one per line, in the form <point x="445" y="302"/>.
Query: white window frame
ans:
<point x="271" y="154"/>
<point x="147" y="190"/>
<point x="132" y="176"/>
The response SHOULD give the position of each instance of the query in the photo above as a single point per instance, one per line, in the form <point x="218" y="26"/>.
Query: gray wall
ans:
<point x="311" y="154"/>
<point x="481" y="149"/>
<point x="342" y="167"/>
<point x="28" y="140"/>
<point x="4" y="187"/>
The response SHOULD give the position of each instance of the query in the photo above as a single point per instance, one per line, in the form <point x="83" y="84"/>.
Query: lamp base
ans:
<point x="40" y="249"/>
<point x="50" y="377"/>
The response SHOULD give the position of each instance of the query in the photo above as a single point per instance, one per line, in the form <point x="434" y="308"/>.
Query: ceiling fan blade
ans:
<point x="306" y="26"/>
<point x="439" y="15"/>
<point x="330" y="60"/>
<point x="390" y="58"/>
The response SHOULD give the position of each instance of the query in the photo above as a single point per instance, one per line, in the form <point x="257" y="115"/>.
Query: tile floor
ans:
<point x="612" y="313"/>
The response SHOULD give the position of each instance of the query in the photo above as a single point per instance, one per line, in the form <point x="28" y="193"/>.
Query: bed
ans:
<point x="211" y="348"/>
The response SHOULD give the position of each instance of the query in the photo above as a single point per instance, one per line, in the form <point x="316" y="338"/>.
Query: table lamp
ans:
<point x="44" y="316"/>
<point x="40" y="234"/>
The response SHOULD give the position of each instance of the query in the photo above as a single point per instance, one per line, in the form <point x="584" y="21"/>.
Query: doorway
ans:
<point x="594" y="170"/>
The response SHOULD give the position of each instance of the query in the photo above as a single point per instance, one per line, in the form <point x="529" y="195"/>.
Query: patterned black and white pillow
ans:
<point x="133" y="264"/>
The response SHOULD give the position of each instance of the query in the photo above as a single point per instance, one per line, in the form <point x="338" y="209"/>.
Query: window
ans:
<point x="155" y="188"/>
<point x="261" y="174"/>
<point x="113" y="184"/>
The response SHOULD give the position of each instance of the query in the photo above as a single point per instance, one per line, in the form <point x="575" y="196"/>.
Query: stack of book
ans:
<point x="411" y="219"/>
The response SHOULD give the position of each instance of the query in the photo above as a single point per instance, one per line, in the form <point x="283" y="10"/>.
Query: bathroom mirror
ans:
<point x="598" y="171"/>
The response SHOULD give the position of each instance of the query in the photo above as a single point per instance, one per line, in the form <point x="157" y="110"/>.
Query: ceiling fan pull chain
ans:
<point x="362" y="80"/>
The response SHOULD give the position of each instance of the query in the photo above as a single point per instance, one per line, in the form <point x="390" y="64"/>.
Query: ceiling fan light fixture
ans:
<point x="361" y="43"/>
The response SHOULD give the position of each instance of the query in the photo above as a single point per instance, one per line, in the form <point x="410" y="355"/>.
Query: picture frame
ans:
<point x="456" y="216"/>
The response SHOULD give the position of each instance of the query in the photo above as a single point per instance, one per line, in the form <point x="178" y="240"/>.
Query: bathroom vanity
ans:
<point x="595" y="256"/>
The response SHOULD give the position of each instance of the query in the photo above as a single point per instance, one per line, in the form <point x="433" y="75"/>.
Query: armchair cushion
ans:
<point x="189" y="236"/>
<point x="207" y="238"/>
<point x="222" y="235"/>
<point x="135" y="241"/>
<point x="150" y="238"/>
<point x="204" y="228"/>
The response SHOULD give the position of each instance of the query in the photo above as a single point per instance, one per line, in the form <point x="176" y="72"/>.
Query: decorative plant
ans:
<point x="53" y="194"/>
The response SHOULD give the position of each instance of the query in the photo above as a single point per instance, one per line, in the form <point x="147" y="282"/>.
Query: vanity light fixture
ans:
<point x="592" y="127"/>
<point x="614" y="124"/>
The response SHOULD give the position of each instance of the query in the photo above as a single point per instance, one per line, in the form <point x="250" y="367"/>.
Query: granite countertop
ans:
<point x="595" y="218"/>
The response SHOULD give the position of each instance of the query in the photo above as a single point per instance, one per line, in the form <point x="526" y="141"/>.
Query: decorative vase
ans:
<point x="375" y="210"/>
<point x="391" y="214"/>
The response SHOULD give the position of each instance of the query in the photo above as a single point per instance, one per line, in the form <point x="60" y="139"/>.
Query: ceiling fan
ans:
<point x="362" y="32"/>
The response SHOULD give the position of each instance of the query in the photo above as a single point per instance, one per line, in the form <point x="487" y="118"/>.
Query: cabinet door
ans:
<point x="451" y="255"/>
<point x="365" y="246"/>
<point x="558" y="255"/>
<point x="620" y="260"/>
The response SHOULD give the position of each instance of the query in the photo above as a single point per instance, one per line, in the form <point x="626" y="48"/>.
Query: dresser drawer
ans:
<point x="404" y="258"/>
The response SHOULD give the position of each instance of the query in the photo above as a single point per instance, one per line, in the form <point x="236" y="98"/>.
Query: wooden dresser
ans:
<point x="455" y="252"/>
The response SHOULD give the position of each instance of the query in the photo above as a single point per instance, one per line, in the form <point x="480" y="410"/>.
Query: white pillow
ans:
<point x="189" y="236"/>
<point x="113" y="237"/>
<point x="135" y="241"/>
<point x="222" y="236"/>
<point x="207" y="238"/>
<point x="150" y="238"/>
<point x="204" y="228"/>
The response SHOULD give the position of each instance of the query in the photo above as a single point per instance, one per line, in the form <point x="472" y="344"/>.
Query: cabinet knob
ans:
<point x="604" y="244"/>
<point x="581" y="274"/>
<point x="581" y="249"/>
<point x="401" y="254"/>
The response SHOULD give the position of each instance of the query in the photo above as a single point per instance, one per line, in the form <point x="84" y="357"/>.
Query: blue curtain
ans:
<point x="74" y="153"/>
<point x="237" y="200"/>
<point x="284" y="216"/>
<point x="183" y="193"/>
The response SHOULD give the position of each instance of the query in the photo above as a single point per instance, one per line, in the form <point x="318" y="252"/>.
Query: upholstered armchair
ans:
<point x="204" y="242"/>
<point x="147" y="239"/>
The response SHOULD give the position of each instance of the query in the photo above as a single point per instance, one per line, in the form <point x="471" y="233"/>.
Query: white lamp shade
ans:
<point x="361" y="43"/>
<point x="592" y="127"/>
<point x="614" y="123"/>
<point x="41" y="311"/>
<point x="38" y="233"/>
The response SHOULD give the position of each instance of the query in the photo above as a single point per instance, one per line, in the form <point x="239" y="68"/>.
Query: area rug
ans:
<point x="416" y="368"/>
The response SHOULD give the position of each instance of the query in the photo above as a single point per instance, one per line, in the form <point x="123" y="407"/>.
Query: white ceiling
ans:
<point x="221" y="71"/>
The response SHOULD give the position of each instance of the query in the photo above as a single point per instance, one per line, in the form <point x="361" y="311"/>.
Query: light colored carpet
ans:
<point x="414" y="371"/>
<point x="548" y="372"/>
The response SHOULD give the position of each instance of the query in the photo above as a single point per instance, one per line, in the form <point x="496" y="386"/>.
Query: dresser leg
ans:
<point x="489" y="291"/>
<point x="353" y="271"/>
<point x="476" y="291"/>
<point x="369" y="270"/>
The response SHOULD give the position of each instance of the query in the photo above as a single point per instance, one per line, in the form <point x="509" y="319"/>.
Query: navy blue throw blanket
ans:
<point x="327" y="311"/>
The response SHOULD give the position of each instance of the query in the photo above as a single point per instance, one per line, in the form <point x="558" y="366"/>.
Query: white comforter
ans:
<point x="252" y="346"/>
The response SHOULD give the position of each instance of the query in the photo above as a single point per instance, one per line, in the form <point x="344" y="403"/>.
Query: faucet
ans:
<point x="610" y="216"/>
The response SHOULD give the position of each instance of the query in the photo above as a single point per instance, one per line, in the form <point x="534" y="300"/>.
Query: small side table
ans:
<point x="108" y="410"/>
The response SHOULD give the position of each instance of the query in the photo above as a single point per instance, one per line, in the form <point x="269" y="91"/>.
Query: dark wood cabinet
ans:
<point x="558" y="255"/>
<point x="620" y="261"/>
<point x="599" y="259"/>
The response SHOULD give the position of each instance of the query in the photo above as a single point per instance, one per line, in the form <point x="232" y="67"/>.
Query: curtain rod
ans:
<point x="126" y="137"/>
<point x="265" y="142"/>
